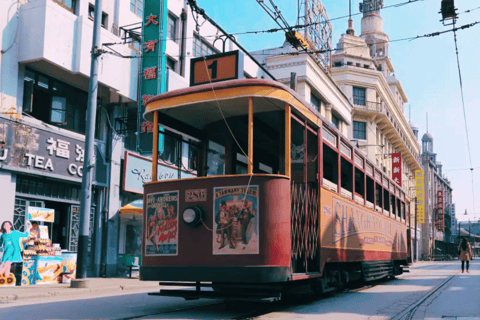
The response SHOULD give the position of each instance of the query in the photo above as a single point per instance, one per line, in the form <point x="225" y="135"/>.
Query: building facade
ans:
<point x="437" y="230"/>
<point x="44" y="73"/>
<point x="362" y="68"/>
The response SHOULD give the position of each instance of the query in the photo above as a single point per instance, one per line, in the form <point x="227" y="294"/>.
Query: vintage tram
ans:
<point x="271" y="198"/>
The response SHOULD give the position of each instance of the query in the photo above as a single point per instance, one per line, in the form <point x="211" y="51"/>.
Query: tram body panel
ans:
<point x="351" y="232"/>
<point x="198" y="257"/>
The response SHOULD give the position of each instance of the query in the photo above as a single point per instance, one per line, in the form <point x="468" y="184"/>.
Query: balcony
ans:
<point x="383" y="116"/>
<point x="55" y="40"/>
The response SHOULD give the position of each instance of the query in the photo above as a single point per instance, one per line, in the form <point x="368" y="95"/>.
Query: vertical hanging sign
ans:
<point x="397" y="168"/>
<point x="152" y="74"/>
<point x="420" y="195"/>
<point x="440" y="216"/>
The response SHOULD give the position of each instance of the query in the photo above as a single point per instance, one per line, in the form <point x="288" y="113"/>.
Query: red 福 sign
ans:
<point x="397" y="168"/>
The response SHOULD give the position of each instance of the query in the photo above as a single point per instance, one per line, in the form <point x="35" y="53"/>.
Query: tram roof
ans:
<point x="201" y="102"/>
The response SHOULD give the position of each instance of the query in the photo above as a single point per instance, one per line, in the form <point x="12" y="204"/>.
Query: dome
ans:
<point x="427" y="137"/>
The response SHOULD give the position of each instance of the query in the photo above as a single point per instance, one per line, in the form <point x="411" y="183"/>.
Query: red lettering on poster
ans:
<point x="151" y="19"/>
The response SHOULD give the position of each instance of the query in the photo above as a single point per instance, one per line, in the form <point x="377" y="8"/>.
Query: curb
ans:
<point x="75" y="291"/>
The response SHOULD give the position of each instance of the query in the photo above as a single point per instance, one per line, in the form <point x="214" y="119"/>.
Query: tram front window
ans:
<point x="215" y="159"/>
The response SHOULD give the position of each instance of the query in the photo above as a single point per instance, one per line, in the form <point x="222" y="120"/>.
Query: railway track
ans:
<point x="250" y="310"/>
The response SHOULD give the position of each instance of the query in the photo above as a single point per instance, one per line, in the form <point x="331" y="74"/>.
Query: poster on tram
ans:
<point x="162" y="224"/>
<point x="236" y="220"/>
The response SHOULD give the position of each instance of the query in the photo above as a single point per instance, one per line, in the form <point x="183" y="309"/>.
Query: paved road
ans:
<point x="403" y="297"/>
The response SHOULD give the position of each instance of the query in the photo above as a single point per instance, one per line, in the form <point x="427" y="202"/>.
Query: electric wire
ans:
<point x="238" y="144"/>
<point x="463" y="107"/>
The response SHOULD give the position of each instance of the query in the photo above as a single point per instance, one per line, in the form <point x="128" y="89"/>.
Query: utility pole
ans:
<point x="89" y="157"/>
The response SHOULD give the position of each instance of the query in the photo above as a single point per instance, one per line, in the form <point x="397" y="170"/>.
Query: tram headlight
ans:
<point x="192" y="215"/>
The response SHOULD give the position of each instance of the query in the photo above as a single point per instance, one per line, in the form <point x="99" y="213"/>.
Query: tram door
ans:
<point x="305" y="206"/>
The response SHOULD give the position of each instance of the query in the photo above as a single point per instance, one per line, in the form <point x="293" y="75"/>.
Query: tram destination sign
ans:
<point x="216" y="68"/>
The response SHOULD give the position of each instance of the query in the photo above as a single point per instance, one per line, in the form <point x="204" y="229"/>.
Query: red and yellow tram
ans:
<point x="276" y="199"/>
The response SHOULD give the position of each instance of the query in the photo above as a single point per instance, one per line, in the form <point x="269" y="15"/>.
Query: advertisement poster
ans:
<point x="41" y="214"/>
<point x="49" y="269"/>
<point x="162" y="224"/>
<point x="236" y="220"/>
<point x="420" y="195"/>
<point x="29" y="272"/>
<point x="69" y="262"/>
<point x="397" y="168"/>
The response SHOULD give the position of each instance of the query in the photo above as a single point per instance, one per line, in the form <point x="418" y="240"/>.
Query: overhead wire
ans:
<point x="463" y="107"/>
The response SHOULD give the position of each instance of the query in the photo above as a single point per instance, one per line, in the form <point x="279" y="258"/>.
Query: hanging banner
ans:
<point x="154" y="30"/>
<point x="41" y="214"/>
<point x="440" y="218"/>
<point x="420" y="195"/>
<point x="162" y="224"/>
<point x="236" y="220"/>
<point x="397" y="168"/>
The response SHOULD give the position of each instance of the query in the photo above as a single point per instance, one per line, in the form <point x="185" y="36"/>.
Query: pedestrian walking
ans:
<point x="465" y="253"/>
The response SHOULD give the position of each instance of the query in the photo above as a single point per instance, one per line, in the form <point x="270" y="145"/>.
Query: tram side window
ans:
<point x="402" y="206"/>
<point x="359" y="183"/>
<point x="399" y="209"/>
<point x="393" y="205"/>
<point x="330" y="165"/>
<point x="312" y="159"/>
<point x="215" y="159"/>
<point x="386" y="200"/>
<point x="347" y="178"/>
<point x="167" y="148"/>
<point x="297" y="152"/>
<point x="370" y="190"/>
<point x="378" y="195"/>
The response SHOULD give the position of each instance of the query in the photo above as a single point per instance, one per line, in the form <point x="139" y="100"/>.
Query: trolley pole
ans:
<point x="89" y="161"/>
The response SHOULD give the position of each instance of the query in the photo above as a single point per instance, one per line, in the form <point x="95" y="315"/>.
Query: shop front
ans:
<point x="45" y="167"/>
<point x="137" y="171"/>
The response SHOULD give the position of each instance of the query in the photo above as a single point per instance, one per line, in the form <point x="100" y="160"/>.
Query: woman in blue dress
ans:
<point x="10" y="240"/>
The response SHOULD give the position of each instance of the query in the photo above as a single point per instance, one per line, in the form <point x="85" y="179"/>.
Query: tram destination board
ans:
<point x="216" y="68"/>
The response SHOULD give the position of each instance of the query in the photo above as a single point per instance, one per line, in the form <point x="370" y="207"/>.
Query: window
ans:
<point x="67" y="4"/>
<point x="202" y="48"/>
<point x="136" y="6"/>
<point x="135" y="45"/>
<point x="171" y="63"/>
<point x="172" y="27"/>
<point x="54" y="102"/>
<point x="316" y="103"/>
<point x="359" y="130"/>
<point x="359" y="96"/>
<point x="91" y="15"/>
<point x="335" y="121"/>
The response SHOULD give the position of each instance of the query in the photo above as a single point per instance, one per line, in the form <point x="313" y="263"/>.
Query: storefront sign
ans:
<point x="48" y="269"/>
<point x="236" y="220"/>
<point x="39" y="151"/>
<point x="420" y="195"/>
<point x="41" y="214"/>
<point x="215" y="68"/>
<point x="162" y="224"/>
<point x="397" y="168"/>
<point x="138" y="170"/>
<point x="154" y="61"/>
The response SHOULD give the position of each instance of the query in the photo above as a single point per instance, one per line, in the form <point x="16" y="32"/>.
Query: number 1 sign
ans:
<point x="215" y="68"/>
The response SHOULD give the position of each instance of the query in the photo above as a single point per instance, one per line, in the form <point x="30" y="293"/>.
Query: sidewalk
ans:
<point x="97" y="286"/>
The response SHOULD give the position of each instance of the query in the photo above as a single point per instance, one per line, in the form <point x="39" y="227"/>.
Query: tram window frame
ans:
<point x="370" y="189"/>
<point x="346" y="177"/>
<point x="359" y="183"/>
<point x="312" y="158"/>
<point x="330" y="159"/>
<point x="297" y="166"/>
<point x="379" y="197"/>
<point x="399" y="209"/>
<point x="386" y="201"/>
<point x="393" y="206"/>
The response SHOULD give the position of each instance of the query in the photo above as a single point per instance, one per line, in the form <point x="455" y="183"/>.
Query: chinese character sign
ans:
<point x="153" y="64"/>
<point x="420" y="195"/>
<point x="397" y="168"/>
<point x="440" y="219"/>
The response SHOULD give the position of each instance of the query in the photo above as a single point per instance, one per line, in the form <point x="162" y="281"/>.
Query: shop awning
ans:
<point x="135" y="207"/>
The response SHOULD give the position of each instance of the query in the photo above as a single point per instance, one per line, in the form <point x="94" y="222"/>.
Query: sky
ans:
<point x="426" y="67"/>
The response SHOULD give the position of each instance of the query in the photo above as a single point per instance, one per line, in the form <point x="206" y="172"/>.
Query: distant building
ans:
<point x="437" y="230"/>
